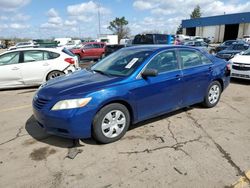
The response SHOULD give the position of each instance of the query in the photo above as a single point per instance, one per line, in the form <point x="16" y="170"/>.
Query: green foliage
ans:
<point x="196" y="12"/>
<point x="119" y="27"/>
<point x="179" y="30"/>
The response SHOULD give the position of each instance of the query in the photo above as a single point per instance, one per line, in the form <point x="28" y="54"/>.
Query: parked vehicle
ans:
<point x="153" y="39"/>
<point x="129" y="86"/>
<point x="62" y="41"/>
<point x="225" y="45"/>
<point x="23" y="45"/>
<point x="232" y="50"/>
<point x="90" y="50"/>
<point x="241" y="65"/>
<point x="109" y="49"/>
<point x="198" y="44"/>
<point x="72" y="44"/>
<point x="33" y="66"/>
<point x="182" y="38"/>
<point x="246" y="38"/>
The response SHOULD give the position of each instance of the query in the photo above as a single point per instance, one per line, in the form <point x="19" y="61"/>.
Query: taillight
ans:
<point x="70" y="60"/>
<point x="228" y="67"/>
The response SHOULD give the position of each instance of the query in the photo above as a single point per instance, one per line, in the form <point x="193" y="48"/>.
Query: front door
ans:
<point x="163" y="93"/>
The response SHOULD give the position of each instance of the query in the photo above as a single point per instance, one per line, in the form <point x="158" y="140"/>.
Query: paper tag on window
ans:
<point x="131" y="63"/>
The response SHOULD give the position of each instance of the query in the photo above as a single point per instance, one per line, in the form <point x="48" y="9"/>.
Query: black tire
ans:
<point x="100" y="117"/>
<point x="213" y="52"/>
<point x="209" y="100"/>
<point x="54" y="74"/>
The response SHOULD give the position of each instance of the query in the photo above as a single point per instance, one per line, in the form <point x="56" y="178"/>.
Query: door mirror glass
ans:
<point x="149" y="73"/>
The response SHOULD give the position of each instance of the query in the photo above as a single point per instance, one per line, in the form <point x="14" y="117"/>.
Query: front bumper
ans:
<point x="240" y="71"/>
<point x="71" y="123"/>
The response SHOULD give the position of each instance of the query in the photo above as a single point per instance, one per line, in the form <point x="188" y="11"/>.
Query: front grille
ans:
<point x="240" y="75"/>
<point x="241" y="66"/>
<point x="39" y="103"/>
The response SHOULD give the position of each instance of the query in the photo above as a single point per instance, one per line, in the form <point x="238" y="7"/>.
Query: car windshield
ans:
<point x="122" y="62"/>
<point x="247" y="52"/>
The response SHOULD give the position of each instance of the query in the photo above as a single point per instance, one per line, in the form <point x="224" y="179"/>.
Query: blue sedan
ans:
<point x="129" y="86"/>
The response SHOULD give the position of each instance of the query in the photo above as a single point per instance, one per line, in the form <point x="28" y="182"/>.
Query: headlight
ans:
<point x="71" y="103"/>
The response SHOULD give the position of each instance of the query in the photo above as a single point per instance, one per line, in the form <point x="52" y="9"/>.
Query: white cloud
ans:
<point x="52" y="13"/>
<point x="18" y="26"/>
<point x="4" y="18"/>
<point x="20" y="17"/>
<point x="142" y="5"/>
<point x="11" y="5"/>
<point x="70" y="22"/>
<point x="166" y="15"/>
<point x="85" y="12"/>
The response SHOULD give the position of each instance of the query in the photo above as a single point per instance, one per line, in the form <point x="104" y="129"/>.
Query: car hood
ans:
<point x="75" y="84"/>
<point x="241" y="59"/>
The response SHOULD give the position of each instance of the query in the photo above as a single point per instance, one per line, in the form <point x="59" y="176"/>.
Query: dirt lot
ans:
<point x="194" y="147"/>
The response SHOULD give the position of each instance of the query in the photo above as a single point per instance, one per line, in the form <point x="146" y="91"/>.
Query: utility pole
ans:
<point x="99" y="19"/>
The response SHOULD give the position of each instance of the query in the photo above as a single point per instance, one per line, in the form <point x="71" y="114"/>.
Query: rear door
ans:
<point x="10" y="74"/>
<point x="98" y="50"/>
<point x="88" y="51"/>
<point x="34" y="66"/>
<point x="197" y="74"/>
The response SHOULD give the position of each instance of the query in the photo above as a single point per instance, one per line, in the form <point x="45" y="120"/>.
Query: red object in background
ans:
<point x="90" y="50"/>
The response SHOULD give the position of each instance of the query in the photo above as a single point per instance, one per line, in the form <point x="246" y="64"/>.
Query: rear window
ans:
<point x="66" y="51"/>
<point x="144" y="39"/>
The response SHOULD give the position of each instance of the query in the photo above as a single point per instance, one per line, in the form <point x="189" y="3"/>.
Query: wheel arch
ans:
<point x="221" y="83"/>
<point x="46" y="75"/>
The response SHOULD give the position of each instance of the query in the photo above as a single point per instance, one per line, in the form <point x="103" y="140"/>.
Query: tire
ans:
<point x="212" y="52"/>
<point x="54" y="74"/>
<point x="213" y="94"/>
<point x="111" y="123"/>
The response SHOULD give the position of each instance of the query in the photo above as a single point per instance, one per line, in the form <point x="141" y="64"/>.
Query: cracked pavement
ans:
<point x="192" y="147"/>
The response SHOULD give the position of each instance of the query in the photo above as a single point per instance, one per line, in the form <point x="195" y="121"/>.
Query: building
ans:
<point x="219" y="28"/>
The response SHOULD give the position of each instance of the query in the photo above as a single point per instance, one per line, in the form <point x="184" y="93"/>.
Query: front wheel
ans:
<point x="111" y="123"/>
<point x="213" y="94"/>
<point x="54" y="74"/>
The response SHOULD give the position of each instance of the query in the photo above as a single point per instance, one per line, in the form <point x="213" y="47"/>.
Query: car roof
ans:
<point x="160" y="47"/>
<point x="29" y="49"/>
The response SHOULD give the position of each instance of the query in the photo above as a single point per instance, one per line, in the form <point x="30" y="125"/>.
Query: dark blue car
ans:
<point x="129" y="86"/>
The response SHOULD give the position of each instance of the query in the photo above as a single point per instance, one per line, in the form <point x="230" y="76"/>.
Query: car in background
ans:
<point x="246" y="38"/>
<point x="109" y="49"/>
<point x="232" y="50"/>
<point x="129" y="86"/>
<point x="198" y="44"/>
<point x="72" y="44"/>
<point x="225" y="45"/>
<point x="89" y="50"/>
<point x="153" y="39"/>
<point x="34" y="66"/>
<point x="240" y="65"/>
<point x="23" y="45"/>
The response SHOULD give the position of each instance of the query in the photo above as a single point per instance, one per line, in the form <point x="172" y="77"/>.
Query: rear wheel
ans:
<point x="111" y="123"/>
<point x="213" y="94"/>
<point x="54" y="74"/>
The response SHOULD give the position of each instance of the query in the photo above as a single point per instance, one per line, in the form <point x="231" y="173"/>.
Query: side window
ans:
<point x="164" y="62"/>
<point x="30" y="56"/>
<point x="10" y="58"/>
<point x="88" y="46"/>
<point x="191" y="58"/>
<point x="50" y="55"/>
<point x="96" y="46"/>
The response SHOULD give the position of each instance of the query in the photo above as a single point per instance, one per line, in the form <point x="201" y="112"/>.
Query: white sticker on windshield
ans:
<point x="131" y="63"/>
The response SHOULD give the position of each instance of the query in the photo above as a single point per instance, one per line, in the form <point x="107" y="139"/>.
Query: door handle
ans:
<point x="45" y="64"/>
<point x="15" y="68"/>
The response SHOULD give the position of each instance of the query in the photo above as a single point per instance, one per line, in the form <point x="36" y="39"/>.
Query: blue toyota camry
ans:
<point x="131" y="85"/>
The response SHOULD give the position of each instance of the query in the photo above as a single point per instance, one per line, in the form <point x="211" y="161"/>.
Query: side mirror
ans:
<point x="149" y="73"/>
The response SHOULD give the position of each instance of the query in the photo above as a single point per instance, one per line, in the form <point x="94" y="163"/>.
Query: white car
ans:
<point x="240" y="65"/>
<point x="33" y="66"/>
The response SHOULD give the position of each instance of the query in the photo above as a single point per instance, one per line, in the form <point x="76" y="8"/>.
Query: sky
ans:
<point x="79" y="18"/>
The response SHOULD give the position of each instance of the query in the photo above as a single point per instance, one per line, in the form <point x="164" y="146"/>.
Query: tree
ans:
<point x="179" y="30"/>
<point x="119" y="27"/>
<point x="196" y="12"/>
